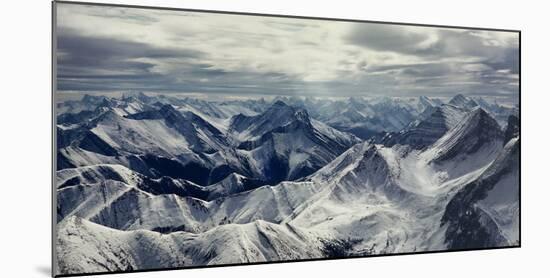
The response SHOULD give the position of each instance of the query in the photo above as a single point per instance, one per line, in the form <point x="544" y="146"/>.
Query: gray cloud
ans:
<point x="508" y="59"/>
<point x="86" y="50"/>
<point x="385" y="37"/>
<point x="191" y="52"/>
<point x="102" y="63"/>
<point x="86" y="59"/>
<point x="414" y="69"/>
<point x="452" y="60"/>
<point x="124" y="15"/>
<point x="418" y="41"/>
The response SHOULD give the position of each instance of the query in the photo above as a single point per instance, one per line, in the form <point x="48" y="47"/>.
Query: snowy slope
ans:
<point x="463" y="102"/>
<point x="140" y="136"/>
<point x="477" y="131"/>
<point x="425" y="132"/>
<point x="485" y="213"/>
<point x="333" y="218"/>
<point x="83" y="244"/>
<point x="366" y="118"/>
<point x="286" y="144"/>
<point x="184" y="141"/>
<point x="252" y="127"/>
<point x="278" y="184"/>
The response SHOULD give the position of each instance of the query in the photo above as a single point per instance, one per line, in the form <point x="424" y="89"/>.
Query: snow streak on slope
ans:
<point x="425" y="132"/>
<point x="140" y="136"/>
<point x="470" y="145"/>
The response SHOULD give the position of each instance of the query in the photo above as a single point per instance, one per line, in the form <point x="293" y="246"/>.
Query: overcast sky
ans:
<point x="127" y="49"/>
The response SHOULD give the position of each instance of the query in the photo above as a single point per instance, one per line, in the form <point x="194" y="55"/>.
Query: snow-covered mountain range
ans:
<point x="148" y="181"/>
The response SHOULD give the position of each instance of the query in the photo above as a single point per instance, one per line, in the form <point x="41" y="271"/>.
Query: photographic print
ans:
<point x="188" y="138"/>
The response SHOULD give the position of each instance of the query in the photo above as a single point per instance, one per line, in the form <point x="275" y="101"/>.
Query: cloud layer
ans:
<point x="126" y="49"/>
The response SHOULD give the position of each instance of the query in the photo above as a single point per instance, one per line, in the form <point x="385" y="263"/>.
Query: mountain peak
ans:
<point x="129" y="98"/>
<point x="354" y="99"/>
<point x="91" y="99"/>
<point x="168" y="110"/>
<point x="87" y="98"/>
<point x="138" y="97"/>
<point x="302" y="115"/>
<point x="426" y="101"/>
<point x="462" y="101"/>
<point x="424" y="132"/>
<point x="164" y="112"/>
<point x="458" y="100"/>
<point x="458" y="97"/>
<point x="479" y="116"/>
<point x="474" y="131"/>
<point x="356" y="103"/>
<point x="105" y="102"/>
<point x="363" y="164"/>
<point x="512" y="129"/>
<point x="234" y="178"/>
<point x="167" y="107"/>
<point x="279" y="103"/>
<point x="107" y="115"/>
<point x="277" y="110"/>
<point x="423" y="98"/>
